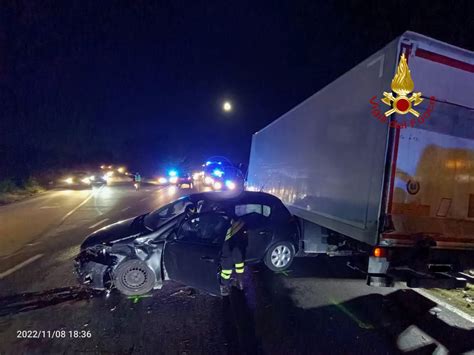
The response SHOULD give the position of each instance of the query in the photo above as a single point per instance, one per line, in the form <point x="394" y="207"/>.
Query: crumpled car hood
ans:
<point x="113" y="232"/>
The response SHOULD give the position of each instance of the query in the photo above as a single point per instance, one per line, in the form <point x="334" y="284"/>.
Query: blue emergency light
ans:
<point x="218" y="172"/>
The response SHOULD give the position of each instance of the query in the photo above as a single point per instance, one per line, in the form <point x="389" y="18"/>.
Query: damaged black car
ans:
<point x="183" y="240"/>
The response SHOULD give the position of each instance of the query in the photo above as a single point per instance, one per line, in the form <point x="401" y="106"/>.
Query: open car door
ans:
<point x="192" y="257"/>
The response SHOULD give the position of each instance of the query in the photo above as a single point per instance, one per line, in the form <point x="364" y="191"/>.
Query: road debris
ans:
<point x="190" y="292"/>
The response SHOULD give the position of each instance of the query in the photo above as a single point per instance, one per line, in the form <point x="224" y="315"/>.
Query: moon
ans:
<point x="227" y="106"/>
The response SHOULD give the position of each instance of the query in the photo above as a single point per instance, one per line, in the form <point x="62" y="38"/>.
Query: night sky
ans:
<point x="142" y="82"/>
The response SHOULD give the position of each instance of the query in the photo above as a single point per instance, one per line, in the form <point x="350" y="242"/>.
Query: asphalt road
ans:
<point x="320" y="306"/>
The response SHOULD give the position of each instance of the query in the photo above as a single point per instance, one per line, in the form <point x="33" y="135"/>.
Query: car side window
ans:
<point x="242" y="210"/>
<point x="209" y="228"/>
<point x="266" y="210"/>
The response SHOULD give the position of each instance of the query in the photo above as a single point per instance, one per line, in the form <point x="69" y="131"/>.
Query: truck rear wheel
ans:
<point x="279" y="256"/>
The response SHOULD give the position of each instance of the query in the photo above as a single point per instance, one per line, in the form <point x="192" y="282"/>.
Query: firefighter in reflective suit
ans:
<point x="233" y="255"/>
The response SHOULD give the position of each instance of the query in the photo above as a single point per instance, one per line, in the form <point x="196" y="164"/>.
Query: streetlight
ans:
<point x="227" y="106"/>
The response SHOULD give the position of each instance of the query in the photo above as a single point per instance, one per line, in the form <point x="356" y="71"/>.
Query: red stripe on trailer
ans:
<point x="442" y="59"/>
<point x="394" y="168"/>
<point x="437" y="238"/>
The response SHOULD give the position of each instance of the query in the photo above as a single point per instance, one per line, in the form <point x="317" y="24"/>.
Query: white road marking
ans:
<point x="19" y="266"/>
<point x="47" y="207"/>
<point x="144" y="199"/>
<point x="100" y="222"/>
<point x="99" y="212"/>
<point x="79" y="206"/>
<point x="32" y="244"/>
<point x="445" y="305"/>
<point x="126" y="208"/>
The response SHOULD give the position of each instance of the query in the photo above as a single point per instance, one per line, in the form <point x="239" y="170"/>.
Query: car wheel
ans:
<point x="134" y="277"/>
<point x="279" y="256"/>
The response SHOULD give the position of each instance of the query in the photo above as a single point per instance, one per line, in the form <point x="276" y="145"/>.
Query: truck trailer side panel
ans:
<point x="326" y="158"/>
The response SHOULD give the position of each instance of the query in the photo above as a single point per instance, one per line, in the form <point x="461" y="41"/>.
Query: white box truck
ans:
<point x="398" y="189"/>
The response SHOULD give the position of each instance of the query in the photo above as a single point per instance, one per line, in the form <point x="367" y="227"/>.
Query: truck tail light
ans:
<point x="380" y="252"/>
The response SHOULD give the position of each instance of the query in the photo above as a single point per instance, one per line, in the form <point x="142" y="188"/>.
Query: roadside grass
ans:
<point x="11" y="191"/>
<point x="462" y="299"/>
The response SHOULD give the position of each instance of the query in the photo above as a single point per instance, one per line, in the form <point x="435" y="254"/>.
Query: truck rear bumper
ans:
<point x="439" y="281"/>
<point x="383" y="272"/>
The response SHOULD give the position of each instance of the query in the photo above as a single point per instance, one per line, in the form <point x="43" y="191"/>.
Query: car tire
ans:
<point x="134" y="277"/>
<point x="279" y="256"/>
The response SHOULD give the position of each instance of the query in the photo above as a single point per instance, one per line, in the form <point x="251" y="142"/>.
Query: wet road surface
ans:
<point x="318" y="307"/>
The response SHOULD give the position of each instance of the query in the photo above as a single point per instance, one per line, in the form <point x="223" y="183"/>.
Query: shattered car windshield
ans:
<point x="156" y="218"/>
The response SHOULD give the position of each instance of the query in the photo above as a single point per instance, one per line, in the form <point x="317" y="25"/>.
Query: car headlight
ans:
<point x="69" y="180"/>
<point x="162" y="180"/>
<point x="217" y="185"/>
<point x="105" y="177"/>
<point x="92" y="177"/>
<point x="173" y="179"/>
<point x="86" y="180"/>
<point x="208" y="180"/>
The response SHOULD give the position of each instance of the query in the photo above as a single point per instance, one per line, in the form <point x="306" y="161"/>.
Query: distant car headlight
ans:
<point x="86" y="180"/>
<point x="92" y="177"/>
<point x="110" y="173"/>
<point x="69" y="180"/>
<point x="163" y="180"/>
<point x="208" y="180"/>
<point x="230" y="184"/>
<point x="173" y="179"/>
<point x="217" y="185"/>
<point x="105" y="177"/>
